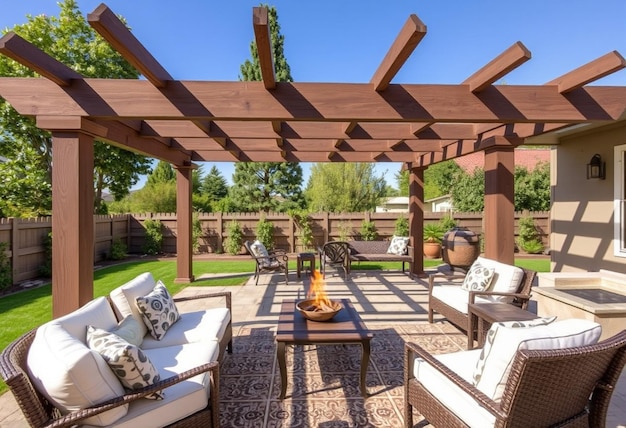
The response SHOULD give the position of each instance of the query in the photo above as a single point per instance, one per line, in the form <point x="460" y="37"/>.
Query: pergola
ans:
<point x="182" y="122"/>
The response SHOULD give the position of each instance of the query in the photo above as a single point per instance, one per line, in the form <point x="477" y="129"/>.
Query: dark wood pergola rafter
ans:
<point x="183" y="122"/>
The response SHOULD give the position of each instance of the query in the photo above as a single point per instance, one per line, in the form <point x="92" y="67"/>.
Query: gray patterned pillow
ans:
<point x="127" y="361"/>
<point x="478" y="278"/>
<point x="158" y="311"/>
<point x="398" y="245"/>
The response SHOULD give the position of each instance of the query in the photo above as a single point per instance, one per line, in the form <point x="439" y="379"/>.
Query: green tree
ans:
<point x="251" y="70"/>
<point x="162" y="173"/>
<point x="71" y="40"/>
<point x="437" y="179"/>
<point x="468" y="191"/>
<point x="344" y="187"/>
<point x="267" y="186"/>
<point x="214" y="185"/>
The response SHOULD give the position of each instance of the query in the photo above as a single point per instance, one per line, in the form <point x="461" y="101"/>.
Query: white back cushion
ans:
<point x="97" y="312"/>
<point x="124" y="298"/>
<point x="503" y="343"/>
<point x="506" y="278"/>
<point x="71" y="375"/>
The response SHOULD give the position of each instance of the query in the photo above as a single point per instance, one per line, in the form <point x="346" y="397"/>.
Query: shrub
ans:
<point x="345" y="230"/>
<point x="196" y="232"/>
<point x="448" y="222"/>
<point x="265" y="232"/>
<point x="305" y="232"/>
<point x="368" y="231"/>
<point x="6" y="278"/>
<point x="118" y="250"/>
<point x="529" y="239"/>
<point x="45" y="269"/>
<point x="433" y="232"/>
<point x="402" y="227"/>
<point x="232" y="244"/>
<point x="153" y="238"/>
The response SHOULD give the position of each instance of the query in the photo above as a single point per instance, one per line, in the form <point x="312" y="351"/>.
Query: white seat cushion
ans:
<point x="503" y="342"/>
<point x="181" y="400"/>
<point x="455" y="297"/>
<point x="193" y="327"/>
<point x="450" y="395"/>
<point x="123" y="298"/>
<point x="71" y="375"/>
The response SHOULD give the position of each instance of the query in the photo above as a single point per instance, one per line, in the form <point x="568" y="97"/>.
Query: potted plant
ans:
<point x="433" y="235"/>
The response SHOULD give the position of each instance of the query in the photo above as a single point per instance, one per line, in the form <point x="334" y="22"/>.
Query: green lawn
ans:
<point x="28" y="309"/>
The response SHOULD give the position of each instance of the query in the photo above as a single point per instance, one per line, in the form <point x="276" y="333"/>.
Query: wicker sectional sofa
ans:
<point x="58" y="375"/>
<point x="377" y="251"/>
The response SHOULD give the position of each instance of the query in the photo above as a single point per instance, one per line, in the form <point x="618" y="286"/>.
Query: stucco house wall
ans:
<point x="582" y="213"/>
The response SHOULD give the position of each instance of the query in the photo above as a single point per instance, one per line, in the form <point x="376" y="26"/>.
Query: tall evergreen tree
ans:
<point x="267" y="185"/>
<point x="214" y="185"/>
<point x="71" y="40"/>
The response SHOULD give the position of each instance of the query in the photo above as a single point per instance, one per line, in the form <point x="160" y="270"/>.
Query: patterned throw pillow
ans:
<point x="478" y="278"/>
<point x="158" y="311"/>
<point x="127" y="361"/>
<point x="398" y="245"/>
<point x="259" y="250"/>
<point x="129" y="330"/>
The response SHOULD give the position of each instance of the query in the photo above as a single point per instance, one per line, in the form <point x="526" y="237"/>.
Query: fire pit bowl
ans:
<point x="307" y="309"/>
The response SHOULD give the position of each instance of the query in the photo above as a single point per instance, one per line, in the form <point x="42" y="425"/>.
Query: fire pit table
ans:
<point x="345" y="327"/>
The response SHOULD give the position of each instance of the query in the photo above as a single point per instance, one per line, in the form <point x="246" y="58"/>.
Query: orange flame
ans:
<point x="317" y="291"/>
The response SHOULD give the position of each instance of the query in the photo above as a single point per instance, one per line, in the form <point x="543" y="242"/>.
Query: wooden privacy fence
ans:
<point x="26" y="251"/>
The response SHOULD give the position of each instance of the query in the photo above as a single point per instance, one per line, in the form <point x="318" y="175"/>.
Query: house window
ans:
<point x="620" y="201"/>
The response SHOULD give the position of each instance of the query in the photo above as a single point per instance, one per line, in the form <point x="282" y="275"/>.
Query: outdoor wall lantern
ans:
<point x="596" y="168"/>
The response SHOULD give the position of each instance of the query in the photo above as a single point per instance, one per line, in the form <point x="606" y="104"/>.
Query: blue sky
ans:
<point x="345" y="40"/>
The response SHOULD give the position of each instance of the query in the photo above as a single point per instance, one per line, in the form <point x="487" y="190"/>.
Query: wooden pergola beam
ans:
<point x="193" y="100"/>
<point x="260" y="22"/>
<point x="407" y="40"/>
<point x="590" y="72"/>
<point x="513" y="57"/>
<point x="113" y="30"/>
<point x="37" y="60"/>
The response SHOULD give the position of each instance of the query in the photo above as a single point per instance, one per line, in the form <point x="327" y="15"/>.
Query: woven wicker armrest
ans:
<point x="74" y="418"/>
<point x="412" y="349"/>
<point x="225" y="294"/>
<point x="520" y="296"/>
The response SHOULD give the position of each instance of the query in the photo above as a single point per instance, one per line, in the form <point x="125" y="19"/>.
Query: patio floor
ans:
<point x="323" y="381"/>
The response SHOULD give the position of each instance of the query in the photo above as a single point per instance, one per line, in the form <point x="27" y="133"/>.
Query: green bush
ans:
<point x="368" y="231"/>
<point x="529" y="239"/>
<point x="433" y="232"/>
<point x="118" y="250"/>
<point x="303" y="224"/>
<point x="401" y="227"/>
<point x="6" y="278"/>
<point x="265" y="232"/>
<point x="232" y="244"/>
<point x="153" y="238"/>
<point x="345" y="230"/>
<point x="448" y="222"/>
<point x="196" y="233"/>
<point x="45" y="269"/>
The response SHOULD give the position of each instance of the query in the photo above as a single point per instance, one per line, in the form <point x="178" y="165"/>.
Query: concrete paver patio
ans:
<point x="389" y="301"/>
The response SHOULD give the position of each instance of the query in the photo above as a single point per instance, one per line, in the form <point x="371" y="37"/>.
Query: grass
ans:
<point x="26" y="310"/>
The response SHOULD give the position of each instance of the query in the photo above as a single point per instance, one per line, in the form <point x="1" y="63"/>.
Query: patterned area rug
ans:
<point x="323" y="381"/>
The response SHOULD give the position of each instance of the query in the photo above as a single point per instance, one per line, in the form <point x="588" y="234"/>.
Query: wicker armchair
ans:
<point x="268" y="261"/>
<point x="39" y="412"/>
<point x="558" y="387"/>
<point x="519" y="298"/>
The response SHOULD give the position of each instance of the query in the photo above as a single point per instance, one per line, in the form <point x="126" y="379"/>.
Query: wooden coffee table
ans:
<point x="488" y="313"/>
<point x="346" y="327"/>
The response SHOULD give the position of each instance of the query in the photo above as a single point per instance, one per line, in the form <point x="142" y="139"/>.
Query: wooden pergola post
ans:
<point x="184" y="210"/>
<point x="72" y="221"/>
<point x="500" y="202"/>
<point x="416" y="218"/>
